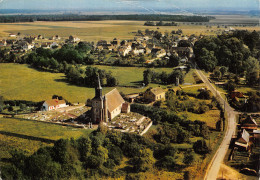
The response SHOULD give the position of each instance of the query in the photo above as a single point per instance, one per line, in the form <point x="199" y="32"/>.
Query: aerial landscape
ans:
<point x="129" y="89"/>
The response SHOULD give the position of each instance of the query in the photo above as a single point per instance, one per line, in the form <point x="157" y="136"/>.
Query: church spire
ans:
<point x="98" y="83"/>
<point x="98" y="92"/>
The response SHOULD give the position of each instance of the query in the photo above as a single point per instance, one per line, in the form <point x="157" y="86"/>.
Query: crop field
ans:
<point x="97" y="30"/>
<point x="19" y="82"/>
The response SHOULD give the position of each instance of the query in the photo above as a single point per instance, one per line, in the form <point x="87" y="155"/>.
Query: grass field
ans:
<point x="23" y="83"/>
<point x="97" y="30"/>
<point x="210" y="117"/>
<point x="24" y="135"/>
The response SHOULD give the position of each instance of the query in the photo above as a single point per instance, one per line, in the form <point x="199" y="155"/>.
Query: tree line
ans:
<point x="236" y="51"/>
<point x="160" y="23"/>
<point x="150" y="76"/>
<point x="75" y="17"/>
<point x="97" y="156"/>
<point x="67" y="60"/>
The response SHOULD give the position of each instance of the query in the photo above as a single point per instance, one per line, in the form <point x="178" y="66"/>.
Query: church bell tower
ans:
<point x="98" y="105"/>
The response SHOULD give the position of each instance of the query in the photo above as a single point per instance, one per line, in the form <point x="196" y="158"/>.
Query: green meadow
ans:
<point x="26" y="135"/>
<point x="19" y="82"/>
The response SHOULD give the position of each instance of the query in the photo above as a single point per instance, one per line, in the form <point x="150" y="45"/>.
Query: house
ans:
<point x="57" y="37"/>
<point x="154" y="94"/>
<point x="73" y="39"/>
<point x="12" y="35"/>
<point x="124" y="50"/>
<point x="160" y="53"/>
<point x="236" y="94"/>
<point x="53" y="104"/>
<point x="182" y="51"/>
<point x="40" y="37"/>
<point x="3" y="43"/>
<point x="102" y="43"/>
<point x="138" y="51"/>
<point x="54" y="45"/>
<point x="115" y="42"/>
<point x="256" y="134"/>
<point x="27" y="46"/>
<point x="249" y="124"/>
<point x="243" y="141"/>
<point x="46" y="45"/>
<point x="105" y="108"/>
<point x="147" y="50"/>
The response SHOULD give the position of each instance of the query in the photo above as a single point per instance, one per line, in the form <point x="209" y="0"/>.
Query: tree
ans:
<point x="144" y="162"/>
<point x="10" y="108"/>
<point x="217" y="74"/>
<point x="173" y="61"/>
<point x="188" y="158"/>
<point x="200" y="147"/>
<point x="206" y="59"/>
<point x="22" y="106"/>
<point x="230" y="86"/>
<point x="184" y="43"/>
<point x="141" y="60"/>
<point x="53" y="63"/>
<point x="223" y="71"/>
<point x="167" y="162"/>
<point x="147" y="76"/>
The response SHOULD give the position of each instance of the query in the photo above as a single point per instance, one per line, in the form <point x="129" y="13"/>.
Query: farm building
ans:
<point x="237" y="94"/>
<point x="249" y="124"/>
<point x="105" y="108"/>
<point x="154" y="94"/>
<point x="243" y="141"/>
<point x="53" y="104"/>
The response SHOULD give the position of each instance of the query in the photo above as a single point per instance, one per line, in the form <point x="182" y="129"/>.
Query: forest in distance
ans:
<point x="75" y="17"/>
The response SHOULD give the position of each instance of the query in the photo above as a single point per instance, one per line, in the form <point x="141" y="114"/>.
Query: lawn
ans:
<point x="23" y="83"/>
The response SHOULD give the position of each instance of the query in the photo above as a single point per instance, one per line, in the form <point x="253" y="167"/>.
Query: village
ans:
<point x="153" y="45"/>
<point x="112" y="109"/>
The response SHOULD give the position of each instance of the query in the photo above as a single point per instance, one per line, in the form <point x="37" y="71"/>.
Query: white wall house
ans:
<point x="53" y="104"/>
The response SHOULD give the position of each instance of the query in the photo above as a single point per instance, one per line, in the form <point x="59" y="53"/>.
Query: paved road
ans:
<point x="214" y="166"/>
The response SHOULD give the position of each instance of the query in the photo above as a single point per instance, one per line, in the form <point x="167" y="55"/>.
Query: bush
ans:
<point x="167" y="163"/>
<point x="200" y="147"/>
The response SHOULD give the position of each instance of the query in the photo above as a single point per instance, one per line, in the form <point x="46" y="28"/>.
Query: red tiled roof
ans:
<point x="54" y="102"/>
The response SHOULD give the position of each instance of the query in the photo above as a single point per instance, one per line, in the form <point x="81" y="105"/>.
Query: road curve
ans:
<point x="214" y="166"/>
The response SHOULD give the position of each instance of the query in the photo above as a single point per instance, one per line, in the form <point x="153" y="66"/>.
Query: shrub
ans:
<point x="200" y="147"/>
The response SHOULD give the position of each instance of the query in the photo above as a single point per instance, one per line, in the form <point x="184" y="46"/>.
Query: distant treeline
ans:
<point x="74" y="17"/>
<point x="160" y="23"/>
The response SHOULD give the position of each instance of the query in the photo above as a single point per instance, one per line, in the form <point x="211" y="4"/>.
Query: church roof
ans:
<point x="114" y="99"/>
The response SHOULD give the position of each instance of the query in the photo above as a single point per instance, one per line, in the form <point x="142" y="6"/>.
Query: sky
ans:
<point x="131" y="5"/>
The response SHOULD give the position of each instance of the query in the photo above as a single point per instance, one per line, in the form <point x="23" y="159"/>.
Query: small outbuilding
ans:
<point x="154" y="94"/>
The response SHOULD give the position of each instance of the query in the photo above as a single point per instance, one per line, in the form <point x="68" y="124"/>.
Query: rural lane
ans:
<point x="214" y="166"/>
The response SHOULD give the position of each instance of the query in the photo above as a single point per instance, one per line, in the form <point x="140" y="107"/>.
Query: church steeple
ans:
<point x="98" y="89"/>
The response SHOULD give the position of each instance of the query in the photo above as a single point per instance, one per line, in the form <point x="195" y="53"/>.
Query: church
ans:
<point x="105" y="108"/>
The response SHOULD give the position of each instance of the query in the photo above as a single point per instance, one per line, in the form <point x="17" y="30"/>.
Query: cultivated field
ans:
<point x="105" y="30"/>
<point x="23" y="83"/>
